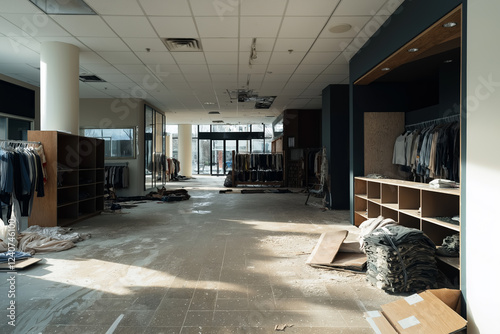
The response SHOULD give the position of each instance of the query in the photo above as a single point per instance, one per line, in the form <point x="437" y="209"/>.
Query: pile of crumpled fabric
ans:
<point x="399" y="258"/>
<point x="36" y="239"/>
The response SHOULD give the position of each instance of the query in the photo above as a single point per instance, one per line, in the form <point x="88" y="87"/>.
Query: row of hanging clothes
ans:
<point x="116" y="176"/>
<point x="257" y="161"/>
<point x="430" y="150"/>
<point x="22" y="174"/>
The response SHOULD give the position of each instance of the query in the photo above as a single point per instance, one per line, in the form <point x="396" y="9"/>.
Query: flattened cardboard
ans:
<point x="327" y="248"/>
<point x="21" y="264"/>
<point x="427" y="315"/>
<point x="379" y="323"/>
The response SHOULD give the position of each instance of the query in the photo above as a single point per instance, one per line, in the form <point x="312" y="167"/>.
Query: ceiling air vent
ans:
<point x="213" y="113"/>
<point x="90" y="78"/>
<point x="218" y="121"/>
<point x="182" y="44"/>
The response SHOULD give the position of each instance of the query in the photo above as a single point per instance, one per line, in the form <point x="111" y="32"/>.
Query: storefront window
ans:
<point x="118" y="143"/>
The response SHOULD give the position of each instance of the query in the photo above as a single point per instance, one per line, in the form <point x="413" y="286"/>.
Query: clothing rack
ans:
<point x="9" y="141"/>
<point x="116" y="164"/>
<point x="421" y="125"/>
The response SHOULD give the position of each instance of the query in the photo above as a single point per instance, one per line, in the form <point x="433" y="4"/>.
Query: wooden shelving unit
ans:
<point x="411" y="204"/>
<point x="75" y="179"/>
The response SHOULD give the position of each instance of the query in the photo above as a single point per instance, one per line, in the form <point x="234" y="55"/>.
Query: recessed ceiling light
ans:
<point x="447" y="61"/>
<point x="449" y="24"/>
<point x="209" y="103"/>
<point x="385" y="68"/>
<point x="413" y="50"/>
<point x="67" y="7"/>
<point x="340" y="28"/>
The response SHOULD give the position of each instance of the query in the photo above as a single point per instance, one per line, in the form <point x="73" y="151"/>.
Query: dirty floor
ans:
<point x="216" y="263"/>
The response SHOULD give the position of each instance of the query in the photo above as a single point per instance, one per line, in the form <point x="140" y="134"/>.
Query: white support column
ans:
<point x="185" y="150"/>
<point x="168" y="145"/>
<point x="59" y="87"/>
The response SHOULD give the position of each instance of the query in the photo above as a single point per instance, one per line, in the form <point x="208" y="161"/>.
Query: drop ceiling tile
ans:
<point x="262" y="58"/>
<point x="219" y="8"/>
<point x="222" y="69"/>
<point x="115" y="78"/>
<point x="296" y="44"/>
<point x="302" y="27"/>
<point x="310" y="69"/>
<point x="221" y="58"/>
<point x="126" y="87"/>
<point x="247" y="69"/>
<point x="141" y="44"/>
<point x="287" y="58"/>
<point x="91" y="58"/>
<point x="254" y="79"/>
<point x="215" y="27"/>
<point x="133" y="69"/>
<point x="261" y="44"/>
<point x="311" y="7"/>
<point x="84" y="25"/>
<point x="104" y="44"/>
<point x="330" y="44"/>
<point x="115" y="7"/>
<point x="101" y="69"/>
<point x="175" y="78"/>
<point x="120" y="58"/>
<point x="130" y="26"/>
<point x="263" y="8"/>
<point x="164" y="70"/>
<point x="197" y="77"/>
<point x="230" y="78"/>
<point x="281" y="69"/>
<point x="357" y="22"/>
<point x="19" y="7"/>
<point x="303" y="78"/>
<point x="272" y="85"/>
<point x="166" y="7"/>
<point x="153" y="58"/>
<point x="174" y="27"/>
<point x="12" y="51"/>
<point x="193" y="69"/>
<point x="296" y="85"/>
<point x="189" y="57"/>
<point x="320" y="58"/>
<point x="282" y="78"/>
<point x="358" y="7"/>
<point x="337" y="69"/>
<point x="260" y="26"/>
<point x="36" y="25"/>
<point x="219" y="44"/>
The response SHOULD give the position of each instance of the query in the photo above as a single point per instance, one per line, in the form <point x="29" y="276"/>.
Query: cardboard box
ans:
<point x="422" y="313"/>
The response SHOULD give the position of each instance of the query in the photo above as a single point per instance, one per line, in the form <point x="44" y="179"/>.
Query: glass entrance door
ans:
<point x="230" y="147"/>
<point x="217" y="157"/>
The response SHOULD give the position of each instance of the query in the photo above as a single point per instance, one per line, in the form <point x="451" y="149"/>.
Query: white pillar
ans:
<point x="185" y="150"/>
<point x="59" y="87"/>
<point x="168" y="145"/>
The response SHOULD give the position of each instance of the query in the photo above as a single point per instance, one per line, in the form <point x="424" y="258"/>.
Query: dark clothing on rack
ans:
<point x="116" y="176"/>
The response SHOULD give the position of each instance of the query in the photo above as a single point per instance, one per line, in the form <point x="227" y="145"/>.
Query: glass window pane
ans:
<point x="257" y="127"/>
<point x="204" y="128"/>
<point x="258" y="146"/>
<point x="18" y="129"/>
<point x="3" y="128"/>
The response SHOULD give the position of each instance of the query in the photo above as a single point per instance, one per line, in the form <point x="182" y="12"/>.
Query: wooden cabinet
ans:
<point x="75" y="179"/>
<point x="414" y="205"/>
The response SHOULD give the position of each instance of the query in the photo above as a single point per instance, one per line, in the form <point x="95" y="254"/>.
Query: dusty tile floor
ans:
<point x="217" y="263"/>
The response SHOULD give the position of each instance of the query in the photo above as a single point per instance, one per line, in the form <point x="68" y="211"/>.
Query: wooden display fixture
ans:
<point x="411" y="204"/>
<point x="75" y="179"/>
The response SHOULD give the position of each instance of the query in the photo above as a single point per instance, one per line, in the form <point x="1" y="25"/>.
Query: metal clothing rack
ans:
<point x="9" y="141"/>
<point x="436" y="121"/>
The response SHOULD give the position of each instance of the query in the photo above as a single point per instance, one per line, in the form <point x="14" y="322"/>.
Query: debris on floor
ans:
<point x="431" y="311"/>
<point x="281" y="327"/>
<point x="332" y="252"/>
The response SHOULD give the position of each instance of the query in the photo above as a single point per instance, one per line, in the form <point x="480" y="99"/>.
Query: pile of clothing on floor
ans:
<point x="399" y="258"/>
<point x="36" y="239"/>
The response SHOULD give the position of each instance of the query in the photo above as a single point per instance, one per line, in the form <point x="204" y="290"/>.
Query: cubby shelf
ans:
<point x="75" y="166"/>
<point x="411" y="204"/>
